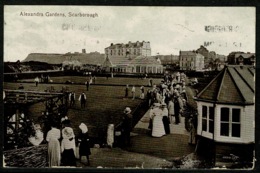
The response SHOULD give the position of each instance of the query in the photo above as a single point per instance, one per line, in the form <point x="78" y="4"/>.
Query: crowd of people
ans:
<point x="167" y="101"/>
<point x="64" y="147"/>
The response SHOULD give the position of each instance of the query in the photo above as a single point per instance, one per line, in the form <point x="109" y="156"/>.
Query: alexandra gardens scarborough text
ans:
<point x="56" y="14"/>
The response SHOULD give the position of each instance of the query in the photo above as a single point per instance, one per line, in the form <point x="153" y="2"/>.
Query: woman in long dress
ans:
<point x="158" y="127"/>
<point x="54" y="154"/>
<point x="84" y="146"/>
<point x="68" y="147"/>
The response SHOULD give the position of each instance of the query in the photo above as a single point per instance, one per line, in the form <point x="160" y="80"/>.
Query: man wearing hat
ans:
<point x="127" y="126"/>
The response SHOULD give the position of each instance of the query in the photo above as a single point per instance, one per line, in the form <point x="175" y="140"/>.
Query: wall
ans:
<point x="247" y="124"/>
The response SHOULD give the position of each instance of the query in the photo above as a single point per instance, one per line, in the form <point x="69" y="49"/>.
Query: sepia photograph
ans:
<point x="129" y="87"/>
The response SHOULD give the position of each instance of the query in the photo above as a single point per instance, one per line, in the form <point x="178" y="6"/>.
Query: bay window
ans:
<point x="230" y="123"/>
<point x="208" y="119"/>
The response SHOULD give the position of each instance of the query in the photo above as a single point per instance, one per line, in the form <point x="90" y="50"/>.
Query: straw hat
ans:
<point x="67" y="133"/>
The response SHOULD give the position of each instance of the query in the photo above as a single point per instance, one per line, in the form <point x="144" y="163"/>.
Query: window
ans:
<point x="211" y="119"/>
<point x="208" y="119"/>
<point x="204" y="118"/>
<point x="230" y="122"/>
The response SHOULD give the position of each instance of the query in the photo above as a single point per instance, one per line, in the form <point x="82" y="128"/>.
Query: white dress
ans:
<point x="158" y="127"/>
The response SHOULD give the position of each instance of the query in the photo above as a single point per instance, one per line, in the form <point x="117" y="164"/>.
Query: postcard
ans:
<point x="129" y="87"/>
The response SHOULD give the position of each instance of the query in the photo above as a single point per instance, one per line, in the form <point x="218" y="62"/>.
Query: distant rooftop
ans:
<point x="128" y="45"/>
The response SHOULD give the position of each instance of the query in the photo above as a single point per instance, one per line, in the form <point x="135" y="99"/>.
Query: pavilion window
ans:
<point x="154" y="69"/>
<point x="208" y="119"/>
<point x="230" y="123"/>
<point x="150" y="69"/>
<point x="211" y="119"/>
<point x="204" y="118"/>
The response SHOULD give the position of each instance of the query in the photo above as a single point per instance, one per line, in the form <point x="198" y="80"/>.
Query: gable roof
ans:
<point x="107" y="63"/>
<point x="244" y="55"/>
<point x="233" y="85"/>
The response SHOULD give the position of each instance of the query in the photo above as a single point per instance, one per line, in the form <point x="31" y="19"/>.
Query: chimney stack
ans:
<point x="83" y="50"/>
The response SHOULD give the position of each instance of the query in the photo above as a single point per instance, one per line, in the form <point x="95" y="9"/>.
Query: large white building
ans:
<point x="129" y="50"/>
<point x="131" y="58"/>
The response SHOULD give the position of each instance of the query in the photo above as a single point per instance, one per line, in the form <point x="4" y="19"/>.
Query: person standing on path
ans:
<point x="54" y="151"/>
<point x="165" y="118"/>
<point x="127" y="126"/>
<point x="83" y="139"/>
<point x="157" y="120"/>
<point x="171" y="109"/>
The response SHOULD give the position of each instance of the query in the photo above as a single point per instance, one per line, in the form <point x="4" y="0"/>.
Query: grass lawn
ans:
<point x="102" y="80"/>
<point x="105" y="105"/>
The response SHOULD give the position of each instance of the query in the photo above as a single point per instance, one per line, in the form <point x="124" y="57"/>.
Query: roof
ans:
<point x="93" y="58"/>
<point x="189" y="53"/>
<point x="233" y="85"/>
<point x="142" y="60"/>
<point x="117" y="61"/>
<point x="244" y="55"/>
<point x="129" y="45"/>
<point x="123" y="61"/>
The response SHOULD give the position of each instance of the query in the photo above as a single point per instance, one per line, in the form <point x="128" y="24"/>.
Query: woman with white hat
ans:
<point x="84" y="146"/>
<point x="68" y="147"/>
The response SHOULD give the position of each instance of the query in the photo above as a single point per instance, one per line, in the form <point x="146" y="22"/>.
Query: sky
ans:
<point x="168" y="29"/>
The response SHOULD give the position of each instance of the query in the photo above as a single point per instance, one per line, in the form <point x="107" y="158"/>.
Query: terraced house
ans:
<point x="191" y="60"/>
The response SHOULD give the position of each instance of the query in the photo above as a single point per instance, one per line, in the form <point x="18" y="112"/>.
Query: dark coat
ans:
<point x="84" y="147"/>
